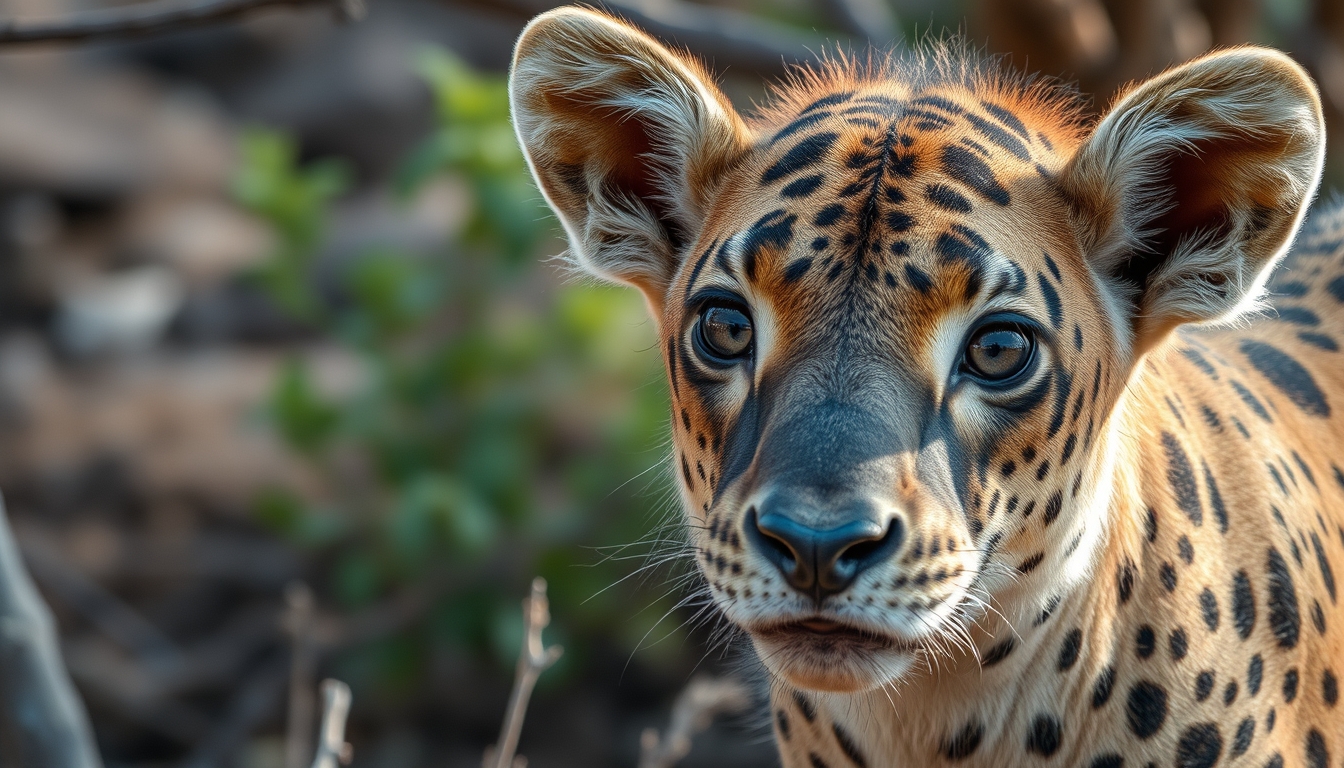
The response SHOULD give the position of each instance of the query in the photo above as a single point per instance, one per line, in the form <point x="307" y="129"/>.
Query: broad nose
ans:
<point x="821" y="561"/>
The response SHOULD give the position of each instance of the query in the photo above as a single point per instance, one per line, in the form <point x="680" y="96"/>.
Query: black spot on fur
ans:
<point x="1108" y="760"/>
<point x="1288" y="375"/>
<point x="1318" y="755"/>
<point x="1203" y="685"/>
<point x="1255" y="674"/>
<point x="1101" y="689"/>
<point x="1251" y="401"/>
<point x="1208" y="608"/>
<point x="802" y="187"/>
<point x="1242" y="740"/>
<point x="1243" y="604"/>
<point x="1146" y="708"/>
<point x="805" y="153"/>
<point x="782" y="723"/>
<point x="1298" y="316"/>
<point x="829" y="215"/>
<point x="1052" y="302"/>
<point x="1290" y="679"/>
<point x="1167" y="573"/>
<point x="1195" y="357"/>
<point x="1145" y="642"/>
<point x="1319" y="340"/>
<point x="1327" y="573"/>
<point x="1179" y="644"/>
<point x="848" y="746"/>
<point x="1200" y="746"/>
<point x="1044" y="736"/>
<point x="1230" y="693"/>
<point x="1181" y="476"/>
<point x="963" y="743"/>
<point x="1215" y="498"/>
<point x="1068" y="651"/>
<point x="998" y="653"/>
<point x="805" y="706"/>
<point x="947" y="198"/>
<point x="918" y="278"/>
<point x="963" y="166"/>
<point x="1284" y="620"/>
<point x="1185" y="549"/>
<point x="796" y="269"/>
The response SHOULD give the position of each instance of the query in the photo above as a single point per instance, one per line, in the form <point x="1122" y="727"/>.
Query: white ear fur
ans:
<point x="1194" y="184"/>
<point x="625" y="138"/>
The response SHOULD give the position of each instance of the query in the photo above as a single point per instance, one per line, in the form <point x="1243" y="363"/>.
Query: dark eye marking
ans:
<point x="773" y="230"/>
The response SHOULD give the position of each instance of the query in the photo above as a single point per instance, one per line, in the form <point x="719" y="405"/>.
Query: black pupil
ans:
<point x="727" y="331"/>
<point x="998" y="352"/>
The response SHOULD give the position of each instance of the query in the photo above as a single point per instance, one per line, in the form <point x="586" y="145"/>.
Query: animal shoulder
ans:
<point x="1006" y="436"/>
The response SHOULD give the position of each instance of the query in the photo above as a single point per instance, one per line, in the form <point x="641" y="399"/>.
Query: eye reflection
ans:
<point x="998" y="352"/>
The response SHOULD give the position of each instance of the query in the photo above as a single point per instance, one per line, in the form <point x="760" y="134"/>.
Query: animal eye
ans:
<point x="998" y="352"/>
<point x="723" y="334"/>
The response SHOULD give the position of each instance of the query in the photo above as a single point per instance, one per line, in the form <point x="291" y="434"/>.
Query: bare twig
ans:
<point x="298" y="623"/>
<point x="41" y="716"/>
<point x="534" y="659"/>
<point x="154" y="17"/>
<point x="332" y="747"/>
<point x="703" y="699"/>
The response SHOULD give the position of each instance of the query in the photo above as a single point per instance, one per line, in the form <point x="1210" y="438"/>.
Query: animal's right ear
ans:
<point x="626" y="139"/>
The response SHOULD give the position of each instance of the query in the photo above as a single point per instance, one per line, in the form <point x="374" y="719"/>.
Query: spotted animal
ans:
<point x="993" y="432"/>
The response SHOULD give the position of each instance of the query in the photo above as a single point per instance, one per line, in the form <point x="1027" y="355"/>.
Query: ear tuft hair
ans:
<point x="626" y="139"/>
<point x="1193" y="185"/>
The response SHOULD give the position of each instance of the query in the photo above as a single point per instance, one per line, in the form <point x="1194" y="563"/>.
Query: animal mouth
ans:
<point x="825" y="634"/>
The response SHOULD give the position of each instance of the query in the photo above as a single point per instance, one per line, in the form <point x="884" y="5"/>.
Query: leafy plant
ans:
<point x="500" y="415"/>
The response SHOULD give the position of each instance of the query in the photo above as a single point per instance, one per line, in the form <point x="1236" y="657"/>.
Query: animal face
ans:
<point x="898" y="308"/>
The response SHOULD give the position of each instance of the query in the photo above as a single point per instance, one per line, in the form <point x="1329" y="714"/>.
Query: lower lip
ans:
<point x="832" y="632"/>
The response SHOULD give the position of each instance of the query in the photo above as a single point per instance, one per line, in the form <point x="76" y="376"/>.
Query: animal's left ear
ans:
<point x="1194" y="184"/>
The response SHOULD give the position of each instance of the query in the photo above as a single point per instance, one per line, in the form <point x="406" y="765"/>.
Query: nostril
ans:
<point x="864" y="553"/>
<point x="775" y="541"/>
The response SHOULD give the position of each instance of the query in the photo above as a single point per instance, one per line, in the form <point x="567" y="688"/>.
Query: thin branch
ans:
<point x="534" y="659"/>
<point x="298" y="623"/>
<point x="152" y="17"/>
<point x="332" y="747"/>
<point x="41" y="717"/>
<point x="704" y="699"/>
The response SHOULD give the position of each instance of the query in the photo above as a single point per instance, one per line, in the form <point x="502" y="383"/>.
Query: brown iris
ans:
<point x="724" y="333"/>
<point x="998" y="352"/>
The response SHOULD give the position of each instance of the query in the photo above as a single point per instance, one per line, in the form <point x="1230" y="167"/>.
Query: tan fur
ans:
<point x="1143" y="504"/>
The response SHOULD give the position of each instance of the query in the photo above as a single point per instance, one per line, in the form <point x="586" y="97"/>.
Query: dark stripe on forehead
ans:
<point x="999" y="136"/>
<point x="802" y="187"/>
<point x="827" y="101"/>
<point x="804" y="154"/>
<point x="773" y="230"/>
<point x="695" y="271"/>
<point x="1007" y="118"/>
<point x="947" y="198"/>
<point x="965" y="167"/>
<point x="938" y="102"/>
<point x="961" y="243"/>
<point x="797" y="125"/>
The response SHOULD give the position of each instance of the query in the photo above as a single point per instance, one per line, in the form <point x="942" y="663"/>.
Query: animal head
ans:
<point x="899" y="307"/>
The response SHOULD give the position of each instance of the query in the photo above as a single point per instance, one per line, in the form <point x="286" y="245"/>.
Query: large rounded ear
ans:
<point x="627" y="141"/>
<point x="1194" y="184"/>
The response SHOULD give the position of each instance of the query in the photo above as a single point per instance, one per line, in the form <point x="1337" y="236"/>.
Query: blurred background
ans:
<point x="277" y="309"/>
